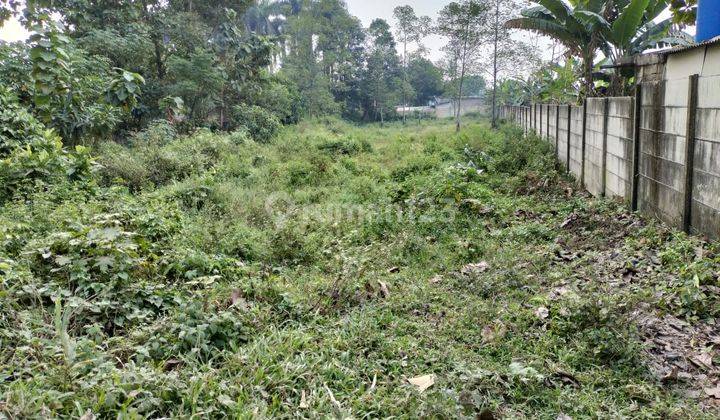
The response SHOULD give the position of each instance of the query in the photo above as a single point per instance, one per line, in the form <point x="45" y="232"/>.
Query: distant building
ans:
<point x="445" y="108"/>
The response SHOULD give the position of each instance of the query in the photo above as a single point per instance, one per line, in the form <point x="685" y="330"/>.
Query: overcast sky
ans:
<point x="12" y="31"/>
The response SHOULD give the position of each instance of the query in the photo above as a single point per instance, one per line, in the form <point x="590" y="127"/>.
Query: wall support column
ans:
<point x="637" y="120"/>
<point x="569" y="119"/>
<point x="690" y="150"/>
<point x="606" y="118"/>
<point x="547" y="122"/>
<point x="557" y="132"/>
<point x="584" y="138"/>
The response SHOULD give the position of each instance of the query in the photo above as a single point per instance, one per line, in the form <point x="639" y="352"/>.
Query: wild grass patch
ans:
<point x="313" y="275"/>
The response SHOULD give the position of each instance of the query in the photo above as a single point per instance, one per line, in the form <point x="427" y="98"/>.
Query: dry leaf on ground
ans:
<point x="303" y="400"/>
<point x="703" y="360"/>
<point x="88" y="415"/>
<point x="568" y="221"/>
<point x="335" y="402"/>
<point x="542" y="312"/>
<point x="713" y="392"/>
<point x="384" y="289"/>
<point x="476" y="268"/>
<point x="422" y="382"/>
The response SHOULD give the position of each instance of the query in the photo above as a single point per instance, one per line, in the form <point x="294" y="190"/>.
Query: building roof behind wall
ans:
<point x="682" y="48"/>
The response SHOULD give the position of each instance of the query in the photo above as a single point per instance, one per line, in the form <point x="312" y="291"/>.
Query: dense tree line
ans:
<point x="94" y="68"/>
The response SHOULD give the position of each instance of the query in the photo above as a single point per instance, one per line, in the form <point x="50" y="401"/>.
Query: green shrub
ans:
<point x="203" y="332"/>
<point x="349" y="147"/>
<point x="106" y="261"/>
<point x="280" y="97"/>
<point x="158" y="133"/>
<point x="121" y="165"/>
<point x="260" y="123"/>
<point x="17" y="125"/>
<point x="239" y="136"/>
<point x="182" y="264"/>
<point x="196" y="193"/>
<point x="42" y="163"/>
<point x="155" y="163"/>
<point x="311" y="171"/>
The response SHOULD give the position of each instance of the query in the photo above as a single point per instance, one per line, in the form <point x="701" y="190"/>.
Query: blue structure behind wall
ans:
<point x="708" y="20"/>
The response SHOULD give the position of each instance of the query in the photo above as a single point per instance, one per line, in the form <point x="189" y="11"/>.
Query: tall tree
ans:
<point x="464" y="23"/>
<point x="76" y="93"/>
<point x="426" y="79"/>
<point x="382" y="74"/>
<point x="324" y="37"/>
<point x="148" y="36"/>
<point x="410" y="29"/>
<point x="506" y="56"/>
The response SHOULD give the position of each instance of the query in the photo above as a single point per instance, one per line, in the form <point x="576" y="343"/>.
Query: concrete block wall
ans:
<point x="664" y="161"/>
<point x="662" y="146"/>
<point x="576" y="141"/>
<point x="594" y="146"/>
<point x="562" y="143"/>
<point x="552" y="123"/>
<point x="705" y="205"/>
<point x="619" y="148"/>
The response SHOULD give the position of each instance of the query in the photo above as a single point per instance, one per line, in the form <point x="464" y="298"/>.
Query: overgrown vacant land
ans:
<point x="211" y="275"/>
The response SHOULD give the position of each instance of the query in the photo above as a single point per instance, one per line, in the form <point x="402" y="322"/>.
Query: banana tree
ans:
<point x="577" y="26"/>
<point x="618" y="28"/>
<point x="629" y="27"/>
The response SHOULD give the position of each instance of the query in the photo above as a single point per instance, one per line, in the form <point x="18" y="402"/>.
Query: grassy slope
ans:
<point x="231" y="310"/>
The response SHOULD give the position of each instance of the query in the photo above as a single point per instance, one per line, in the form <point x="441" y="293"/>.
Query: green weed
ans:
<point x="212" y="276"/>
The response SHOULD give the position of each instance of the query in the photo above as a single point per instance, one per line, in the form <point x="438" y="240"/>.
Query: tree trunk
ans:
<point x="458" y="111"/>
<point x="157" y="43"/>
<point x="404" y="87"/>
<point x="495" y="67"/>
